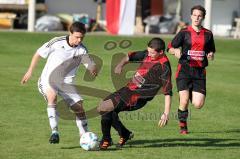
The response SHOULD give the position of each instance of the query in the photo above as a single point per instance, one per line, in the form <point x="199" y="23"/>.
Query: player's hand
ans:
<point x="210" y="56"/>
<point x="94" y="72"/>
<point x="164" y="120"/>
<point x="118" y="69"/>
<point x="177" y="53"/>
<point x="26" y="77"/>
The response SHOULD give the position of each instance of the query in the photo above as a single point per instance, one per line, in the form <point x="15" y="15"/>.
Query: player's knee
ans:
<point x="103" y="108"/>
<point x="77" y="108"/>
<point x="184" y="103"/>
<point x="198" y="104"/>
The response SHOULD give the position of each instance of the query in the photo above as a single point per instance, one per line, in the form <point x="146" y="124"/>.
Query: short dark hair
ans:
<point x="157" y="43"/>
<point x="77" y="27"/>
<point x="199" y="7"/>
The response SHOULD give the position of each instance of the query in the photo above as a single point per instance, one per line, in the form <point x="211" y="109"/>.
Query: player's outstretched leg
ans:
<point x="182" y="117"/>
<point x="81" y="119"/>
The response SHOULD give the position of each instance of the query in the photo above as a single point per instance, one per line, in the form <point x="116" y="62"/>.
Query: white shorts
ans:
<point x="68" y="92"/>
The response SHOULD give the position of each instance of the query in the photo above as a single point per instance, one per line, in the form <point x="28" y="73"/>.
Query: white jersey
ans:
<point x="58" y="52"/>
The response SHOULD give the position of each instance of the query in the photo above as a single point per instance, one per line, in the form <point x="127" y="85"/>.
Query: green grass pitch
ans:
<point x="24" y="128"/>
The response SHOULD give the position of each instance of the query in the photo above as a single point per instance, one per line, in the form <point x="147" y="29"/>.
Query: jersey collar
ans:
<point x="67" y="39"/>
<point x="68" y="44"/>
<point x="191" y="28"/>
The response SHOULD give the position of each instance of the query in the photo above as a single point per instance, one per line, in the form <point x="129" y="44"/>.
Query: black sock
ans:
<point x="106" y="122"/>
<point x="118" y="125"/>
<point x="182" y="117"/>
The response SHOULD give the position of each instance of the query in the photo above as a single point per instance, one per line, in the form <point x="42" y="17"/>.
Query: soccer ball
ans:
<point x="89" y="141"/>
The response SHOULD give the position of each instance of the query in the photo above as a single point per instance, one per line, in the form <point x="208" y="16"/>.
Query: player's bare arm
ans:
<point x="165" y="116"/>
<point x="33" y="64"/>
<point x="118" y="68"/>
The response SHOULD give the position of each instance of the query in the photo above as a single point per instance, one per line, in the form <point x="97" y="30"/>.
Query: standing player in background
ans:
<point x="153" y="74"/>
<point x="193" y="46"/>
<point x="62" y="53"/>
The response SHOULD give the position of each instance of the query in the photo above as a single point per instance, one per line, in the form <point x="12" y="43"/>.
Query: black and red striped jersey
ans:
<point x="195" y="46"/>
<point x="151" y="76"/>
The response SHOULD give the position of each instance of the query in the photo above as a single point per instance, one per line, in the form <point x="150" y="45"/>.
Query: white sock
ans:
<point x="82" y="125"/>
<point x="53" y="118"/>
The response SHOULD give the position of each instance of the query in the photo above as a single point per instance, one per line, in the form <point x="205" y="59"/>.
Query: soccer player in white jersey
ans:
<point x="60" y="52"/>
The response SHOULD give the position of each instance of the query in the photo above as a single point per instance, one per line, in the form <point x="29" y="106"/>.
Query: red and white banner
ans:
<point x="120" y="16"/>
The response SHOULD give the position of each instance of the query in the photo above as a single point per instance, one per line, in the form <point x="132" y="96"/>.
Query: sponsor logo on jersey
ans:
<point x="138" y="80"/>
<point x="196" y="55"/>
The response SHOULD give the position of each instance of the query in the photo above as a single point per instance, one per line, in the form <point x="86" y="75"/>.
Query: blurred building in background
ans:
<point x="151" y="16"/>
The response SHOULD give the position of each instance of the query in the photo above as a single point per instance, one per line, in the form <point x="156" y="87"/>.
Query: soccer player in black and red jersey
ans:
<point x="193" y="46"/>
<point x="153" y="74"/>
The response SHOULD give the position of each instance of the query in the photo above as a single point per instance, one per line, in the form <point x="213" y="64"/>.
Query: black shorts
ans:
<point x="190" y="78"/>
<point x="123" y="100"/>
<point x="196" y="85"/>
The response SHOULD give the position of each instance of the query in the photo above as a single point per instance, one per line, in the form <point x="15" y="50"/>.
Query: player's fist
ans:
<point x="94" y="71"/>
<point x="210" y="56"/>
<point x="177" y="53"/>
<point x="118" y="69"/>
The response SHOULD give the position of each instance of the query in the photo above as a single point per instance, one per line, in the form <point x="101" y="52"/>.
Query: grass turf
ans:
<point x="24" y="128"/>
